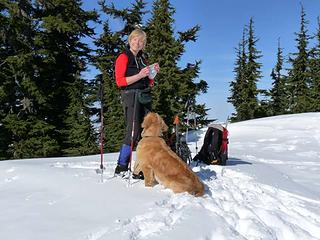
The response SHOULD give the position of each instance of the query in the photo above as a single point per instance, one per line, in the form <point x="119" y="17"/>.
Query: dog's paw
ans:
<point x="148" y="184"/>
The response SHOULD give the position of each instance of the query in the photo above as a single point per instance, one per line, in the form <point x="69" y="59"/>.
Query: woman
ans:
<point x="132" y="76"/>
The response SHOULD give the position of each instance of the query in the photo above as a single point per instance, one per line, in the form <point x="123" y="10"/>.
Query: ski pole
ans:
<point x="101" y="147"/>
<point x="101" y="139"/>
<point x="187" y="130"/>
<point x="132" y="132"/>
<point x="195" y="128"/>
<point x="177" y="122"/>
<point x="100" y="170"/>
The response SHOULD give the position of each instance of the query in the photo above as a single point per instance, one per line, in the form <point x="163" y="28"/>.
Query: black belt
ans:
<point x="135" y="90"/>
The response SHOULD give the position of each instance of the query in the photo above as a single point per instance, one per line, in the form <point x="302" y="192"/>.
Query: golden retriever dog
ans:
<point x="159" y="163"/>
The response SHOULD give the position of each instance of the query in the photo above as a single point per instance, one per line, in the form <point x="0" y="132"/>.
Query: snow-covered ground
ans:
<point x="270" y="189"/>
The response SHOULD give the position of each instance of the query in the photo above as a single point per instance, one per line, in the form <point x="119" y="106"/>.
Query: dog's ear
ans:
<point x="164" y="126"/>
<point x="149" y="119"/>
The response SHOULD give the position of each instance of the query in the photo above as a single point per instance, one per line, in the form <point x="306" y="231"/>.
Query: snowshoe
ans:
<point x="138" y="176"/>
<point x="120" y="169"/>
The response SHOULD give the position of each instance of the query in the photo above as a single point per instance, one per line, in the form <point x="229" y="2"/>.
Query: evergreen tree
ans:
<point x="132" y="17"/>
<point x="244" y="92"/>
<point x="174" y="86"/>
<point x="166" y="50"/>
<point x="30" y="136"/>
<point x="298" y="75"/>
<point x="278" y="92"/>
<point x="62" y="57"/>
<point x="114" y="127"/>
<point x="237" y="85"/>
<point x="24" y="133"/>
<point x="81" y="139"/>
<point x="250" y="106"/>
<point x="315" y="72"/>
<point x="5" y="80"/>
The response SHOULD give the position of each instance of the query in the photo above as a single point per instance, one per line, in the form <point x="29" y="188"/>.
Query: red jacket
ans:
<point x="128" y="65"/>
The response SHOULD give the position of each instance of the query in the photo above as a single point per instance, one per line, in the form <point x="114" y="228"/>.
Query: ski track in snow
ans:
<point x="9" y="176"/>
<point x="250" y="209"/>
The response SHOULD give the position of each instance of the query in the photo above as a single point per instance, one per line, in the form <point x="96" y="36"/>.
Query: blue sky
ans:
<point x="222" y="23"/>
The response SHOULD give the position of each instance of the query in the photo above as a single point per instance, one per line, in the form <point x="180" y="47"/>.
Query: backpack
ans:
<point x="215" y="146"/>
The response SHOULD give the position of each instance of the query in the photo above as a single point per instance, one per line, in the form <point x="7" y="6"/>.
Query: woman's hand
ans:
<point x="157" y="67"/>
<point x="144" y="72"/>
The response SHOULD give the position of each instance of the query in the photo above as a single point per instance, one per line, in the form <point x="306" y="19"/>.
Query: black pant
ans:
<point x="134" y="113"/>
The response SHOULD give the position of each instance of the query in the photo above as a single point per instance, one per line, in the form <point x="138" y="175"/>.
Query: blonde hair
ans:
<point x="138" y="33"/>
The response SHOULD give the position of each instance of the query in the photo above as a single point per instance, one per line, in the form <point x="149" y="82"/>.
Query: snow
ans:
<point x="270" y="189"/>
